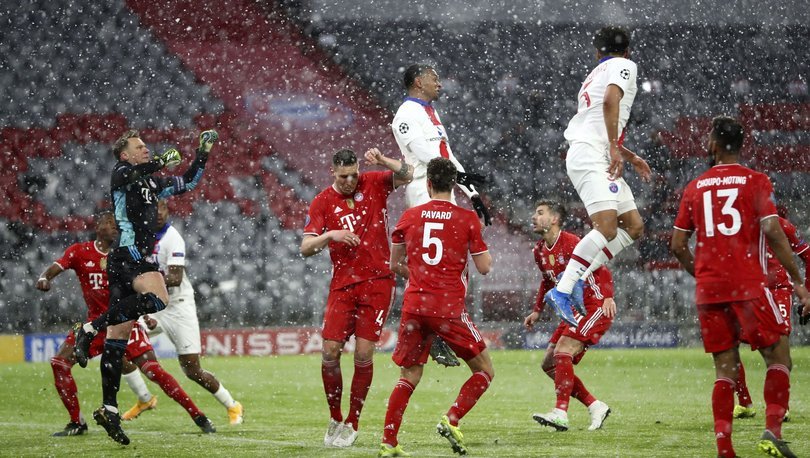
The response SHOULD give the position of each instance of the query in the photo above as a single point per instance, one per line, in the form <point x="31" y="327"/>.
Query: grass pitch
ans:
<point x="660" y="400"/>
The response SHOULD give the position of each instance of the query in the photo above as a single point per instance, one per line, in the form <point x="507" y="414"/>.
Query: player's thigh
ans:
<point x="569" y="345"/>
<point x="340" y="315"/>
<point x="120" y="331"/>
<point x="760" y="320"/>
<point x="783" y="298"/>
<point x="719" y="327"/>
<point x="413" y="342"/>
<point x="460" y="334"/>
<point x="591" y="328"/>
<point x="416" y="192"/>
<point x="151" y="282"/>
<point x="183" y="329"/>
<point x="374" y="299"/>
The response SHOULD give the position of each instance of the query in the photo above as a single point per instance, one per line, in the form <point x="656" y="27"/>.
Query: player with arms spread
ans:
<point x="782" y="291"/>
<point x="731" y="209"/>
<point x="136" y="286"/>
<point x="351" y="218"/>
<point x="436" y="239"/>
<point x="89" y="261"/>
<point x="595" y="162"/>
<point x="568" y="345"/>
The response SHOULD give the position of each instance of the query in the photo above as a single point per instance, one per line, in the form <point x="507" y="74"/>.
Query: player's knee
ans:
<point x="547" y="365"/>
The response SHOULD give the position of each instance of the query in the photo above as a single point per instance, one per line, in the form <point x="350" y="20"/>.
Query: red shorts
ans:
<point x="137" y="345"/>
<point x="724" y="325"/>
<point x="416" y="333"/>
<point x="589" y="330"/>
<point x="783" y="298"/>
<point x="359" y="309"/>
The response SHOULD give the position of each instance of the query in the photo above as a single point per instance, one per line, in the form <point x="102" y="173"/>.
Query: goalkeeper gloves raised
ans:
<point x="482" y="211"/>
<point x="169" y="158"/>
<point x="207" y="139"/>
<point x="470" y="179"/>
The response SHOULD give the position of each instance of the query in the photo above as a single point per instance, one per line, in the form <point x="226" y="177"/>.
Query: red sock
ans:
<point x="563" y="379"/>
<point x="742" y="389"/>
<point x="777" y="395"/>
<point x="397" y="403"/>
<point x="581" y="393"/>
<point x="469" y="394"/>
<point x="169" y="385"/>
<point x="333" y="387"/>
<point x="361" y="382"/>
<point x="66" y="386"/>
<point x="723" y="408"/>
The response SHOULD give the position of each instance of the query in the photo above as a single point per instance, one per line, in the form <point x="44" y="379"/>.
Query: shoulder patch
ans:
<point x="403" y="128"/>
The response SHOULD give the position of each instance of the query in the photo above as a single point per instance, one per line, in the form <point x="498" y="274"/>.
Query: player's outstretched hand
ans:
<point x="470" y="179"/>
<point x="170" y="158"/>
<point x="482" y="211"/>
<point x="616" y="167"/>
<point x="150" y="322"/>
<point x="207" y="140"/>
<point x="530" y="320"/>
<point x="609" y="307"/>
<point x="344" y="236"/>
<point x="804" y="303"/>
<point x="43" y="284"/>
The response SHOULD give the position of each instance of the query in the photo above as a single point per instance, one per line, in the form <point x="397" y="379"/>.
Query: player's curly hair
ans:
<point x="441" y="173"/>
<point x="728" y="133"/>
<point x="414" y="71"/>
<point x="611" y="40"/>
<point x="555" y="206"/>
<point x="344" y="158"/>
<point x="123" y="141"/>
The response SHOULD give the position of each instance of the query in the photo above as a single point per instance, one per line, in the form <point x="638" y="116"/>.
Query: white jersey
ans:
<point x="588" y="125"/>
<point x="421" y="137"/>
<point x="170" y="250"/>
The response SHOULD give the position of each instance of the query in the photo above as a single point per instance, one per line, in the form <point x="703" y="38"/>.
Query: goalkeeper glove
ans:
<point x="170" y="158"/>
<point x="470" y="179"/>
<point x="207" y="139"/>
<point x="482" y="211"/>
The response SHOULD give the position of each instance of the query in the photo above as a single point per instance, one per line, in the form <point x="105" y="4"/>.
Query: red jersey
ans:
<point x="437" y="236"/>
<point x="777" y="275"/>
<point x="365" y="213"/>
<point x="90" y="266"/>
<point x="725" y="206"/>
<point x="552" y="262"/>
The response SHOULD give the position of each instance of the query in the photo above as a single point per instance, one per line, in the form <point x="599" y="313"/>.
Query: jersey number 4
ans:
<point x="728" y="210"/>
<point x="428" y="241"/>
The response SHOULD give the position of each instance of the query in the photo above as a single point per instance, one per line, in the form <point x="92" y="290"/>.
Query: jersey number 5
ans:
<point x="728" y="210"/>
<point x="427" y="241"/>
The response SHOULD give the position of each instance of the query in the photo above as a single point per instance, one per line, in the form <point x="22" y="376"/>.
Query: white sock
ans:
<point x="224" y="397"/>
<point x="615" y="246"/>
<point x="137" y="385"/>
<point x="587" y="249"/>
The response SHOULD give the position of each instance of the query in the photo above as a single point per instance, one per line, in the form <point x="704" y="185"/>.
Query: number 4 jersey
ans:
<point x="725" y="206"/>
<point x="437" y="236"/>
<point x="90" y="265"/>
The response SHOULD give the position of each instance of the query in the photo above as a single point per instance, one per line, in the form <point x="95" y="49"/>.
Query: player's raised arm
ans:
<point x="403" y="173"/>
<point x="610" y="109"/>
<point x="191" y="178"/>
<point x="44" y="280"/>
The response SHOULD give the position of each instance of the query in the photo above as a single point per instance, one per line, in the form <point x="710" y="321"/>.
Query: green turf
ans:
<point x="660" y="401"/>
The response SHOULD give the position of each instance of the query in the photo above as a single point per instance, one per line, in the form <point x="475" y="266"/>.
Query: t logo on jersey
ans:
<point x="147" y="195"/>
<point x="96" y="280"/>
<point x="347" y="221"/>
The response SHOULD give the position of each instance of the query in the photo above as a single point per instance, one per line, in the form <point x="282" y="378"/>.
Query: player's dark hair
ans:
<point x="555" y="206"/>
<point x="412" y="72"/>
<point x="611" y="40"/>
<point x="728" y="134"/>
<point x="101" y="214"/>
<point x="441" y="173"/>
<point x="343" y="158"/>
<point x="123" y="141"/>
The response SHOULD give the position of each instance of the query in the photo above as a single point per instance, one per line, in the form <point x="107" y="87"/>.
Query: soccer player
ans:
<point x="89" y="261"/>
<point x="351" y="218"/>
<point x="595" y="162"/>
<point x="136" y="286"/>
<point x="421" y="137"/>
<point x="568" y="345"/>
<point x="436" y="239"/>
<point x="731" y="209"/>
<point x="179" y="322"/>
<point x="782" y="292"/>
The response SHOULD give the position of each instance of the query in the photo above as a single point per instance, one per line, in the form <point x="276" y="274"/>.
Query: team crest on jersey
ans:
<point x="403" y="128"/>
<point x="625" y="74"/>
<point x="560" y="259"/>
<point x="359" y="197"/>
<point x="614" y="188"/>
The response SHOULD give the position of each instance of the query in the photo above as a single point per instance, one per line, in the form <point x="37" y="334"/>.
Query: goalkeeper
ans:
<point x="136" y="286"/>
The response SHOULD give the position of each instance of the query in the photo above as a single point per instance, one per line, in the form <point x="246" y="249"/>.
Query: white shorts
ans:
<point x="587" y="169"/>
<point x="416" y="193"/>
<point x="179" y="322"/>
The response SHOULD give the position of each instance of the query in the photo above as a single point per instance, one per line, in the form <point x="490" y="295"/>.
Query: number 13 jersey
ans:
<point x="725" y="206"/>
